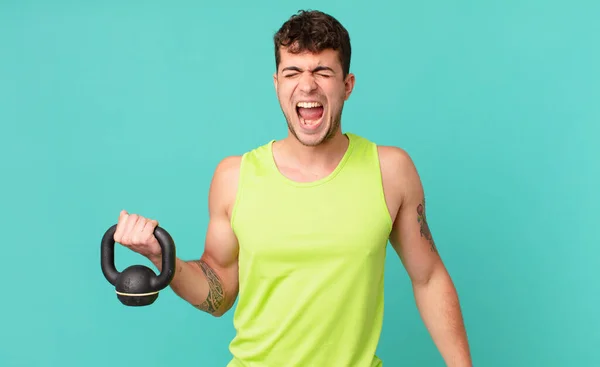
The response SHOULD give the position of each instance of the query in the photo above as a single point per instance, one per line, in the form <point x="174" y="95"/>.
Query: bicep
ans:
<point x="411" y="235"/>
<point x="221" y="245"/>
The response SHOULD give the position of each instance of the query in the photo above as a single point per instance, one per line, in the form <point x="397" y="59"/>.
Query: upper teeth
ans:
<point x="309" y="104"/>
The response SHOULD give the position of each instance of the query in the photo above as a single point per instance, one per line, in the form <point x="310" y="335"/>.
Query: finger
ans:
<point x="148" y="231"/>
<point x="128" y="228"/>
<point x="118" y="236"/>
<point x="137" y="232"/>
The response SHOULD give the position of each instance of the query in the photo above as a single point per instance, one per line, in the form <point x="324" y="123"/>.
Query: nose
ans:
<point x="307" y="83"/>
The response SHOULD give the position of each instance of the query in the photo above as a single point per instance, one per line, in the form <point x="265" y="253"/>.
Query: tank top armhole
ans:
<point x="238" y="194"/>
<point x="383" y="203"/>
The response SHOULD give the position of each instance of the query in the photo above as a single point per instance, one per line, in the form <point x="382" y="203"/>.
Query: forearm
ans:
<point x="198" y="284"/>
<point x="438" y="304"/>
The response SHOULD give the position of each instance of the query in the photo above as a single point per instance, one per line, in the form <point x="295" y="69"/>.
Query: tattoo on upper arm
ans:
<point x="425" y="232"/>
<point x="215" y="297"/>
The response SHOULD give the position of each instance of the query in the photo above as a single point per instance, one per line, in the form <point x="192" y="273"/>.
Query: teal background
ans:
<point x="130" y="105"/>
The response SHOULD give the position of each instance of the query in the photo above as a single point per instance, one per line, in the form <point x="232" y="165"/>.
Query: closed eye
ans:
<point x="322" y="71"/>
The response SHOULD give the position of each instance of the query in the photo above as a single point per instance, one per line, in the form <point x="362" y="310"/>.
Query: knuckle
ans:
<point x="125" y="240"/>
<point x="136" y="240"/>
<point x="135" y="231"/>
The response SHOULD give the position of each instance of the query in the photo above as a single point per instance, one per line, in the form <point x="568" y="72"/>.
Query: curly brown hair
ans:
<point x="313" y="31"/>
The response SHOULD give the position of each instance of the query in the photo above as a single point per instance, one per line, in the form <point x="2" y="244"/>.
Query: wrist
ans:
<point x="156" y="260"/>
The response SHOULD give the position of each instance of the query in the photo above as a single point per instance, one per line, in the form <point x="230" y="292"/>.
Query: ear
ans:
<point x="275" y="81"/>
<point x="349" y="84"/>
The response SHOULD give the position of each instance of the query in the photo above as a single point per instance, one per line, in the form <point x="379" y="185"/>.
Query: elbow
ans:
<point x="216" y="312"/>
<point x="434" y="275"/>
<point x="220" y="312"/>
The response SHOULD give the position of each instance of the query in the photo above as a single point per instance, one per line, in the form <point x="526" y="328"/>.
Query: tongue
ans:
<point x="314" y="113"/>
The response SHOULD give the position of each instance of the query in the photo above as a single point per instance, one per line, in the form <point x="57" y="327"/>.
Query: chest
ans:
<point x="312" y="226"/>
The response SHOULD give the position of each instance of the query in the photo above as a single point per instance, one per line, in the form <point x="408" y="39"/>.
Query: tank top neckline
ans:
<point x="329" y="177"/>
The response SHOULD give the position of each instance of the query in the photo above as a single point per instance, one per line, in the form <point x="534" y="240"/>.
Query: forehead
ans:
<point x="309" y="60"/>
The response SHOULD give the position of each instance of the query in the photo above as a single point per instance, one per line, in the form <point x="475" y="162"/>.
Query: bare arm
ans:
<point x="411" y="238"/>
<point x="211" y="282"/>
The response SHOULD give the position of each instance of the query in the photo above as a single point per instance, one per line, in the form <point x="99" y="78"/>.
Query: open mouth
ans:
<point x="310" y="114"/>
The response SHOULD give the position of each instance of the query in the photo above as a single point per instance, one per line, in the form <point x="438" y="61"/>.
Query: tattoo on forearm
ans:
<point x="425" y="232"/>
<point x="215" y="297"/>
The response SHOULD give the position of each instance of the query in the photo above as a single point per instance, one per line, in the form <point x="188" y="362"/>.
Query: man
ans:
<point x="299" y="227"/>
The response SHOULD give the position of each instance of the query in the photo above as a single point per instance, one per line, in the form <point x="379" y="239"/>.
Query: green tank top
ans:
<point x="311" y="263"/>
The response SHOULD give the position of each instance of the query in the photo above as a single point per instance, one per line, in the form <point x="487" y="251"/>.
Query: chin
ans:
<point x="312" y="140"/>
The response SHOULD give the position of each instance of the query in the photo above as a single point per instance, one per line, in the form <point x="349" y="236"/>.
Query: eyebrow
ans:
<point x="317" y="69"/>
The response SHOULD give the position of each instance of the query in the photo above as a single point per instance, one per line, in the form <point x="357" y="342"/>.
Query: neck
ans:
<point x="323" y="155"/>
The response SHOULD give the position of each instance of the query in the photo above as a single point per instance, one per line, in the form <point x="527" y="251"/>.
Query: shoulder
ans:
<point x="396" y="162"/>
<point x="223" y="186"/>
<point x="226" y="177"/>
<point x="226" y="174"/>
<point x="228" y="167"/>
<point x="390" y="157"/>
<point x="399" y="175"/>
<point x="394" y="157"/>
